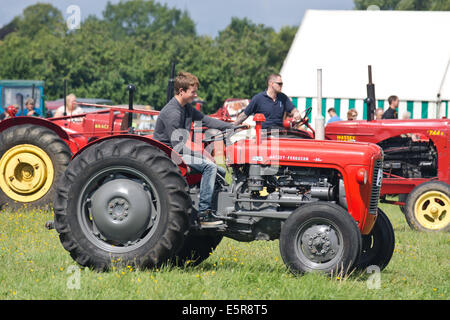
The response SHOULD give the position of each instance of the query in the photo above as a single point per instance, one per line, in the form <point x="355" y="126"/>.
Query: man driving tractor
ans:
<point x="172" y="128"/>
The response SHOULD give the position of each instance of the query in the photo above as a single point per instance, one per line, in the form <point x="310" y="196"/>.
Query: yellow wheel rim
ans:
<point x="26" y="173"/>
<point x="432" y="210"/>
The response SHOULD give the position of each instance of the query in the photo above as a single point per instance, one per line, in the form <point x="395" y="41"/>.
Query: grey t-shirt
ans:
<point x="174" y="116"/>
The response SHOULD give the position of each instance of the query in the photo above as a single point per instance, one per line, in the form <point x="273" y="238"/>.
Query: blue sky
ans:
<point x="210" y="16"/>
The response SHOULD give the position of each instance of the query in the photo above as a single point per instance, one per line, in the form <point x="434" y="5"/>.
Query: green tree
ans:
<point x="142" y="17"/>
<point x="440" y="5"/>
<point x="39" y="19"/>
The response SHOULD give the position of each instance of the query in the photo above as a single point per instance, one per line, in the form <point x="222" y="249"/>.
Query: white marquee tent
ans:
<point x="409" y="52"/>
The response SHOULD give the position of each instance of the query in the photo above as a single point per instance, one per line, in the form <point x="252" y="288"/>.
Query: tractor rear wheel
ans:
<point x="122" y="201"/>
<point x="320" y="237"/>
<point x="428" y="207"/>
<point x="32" y="160"/>
<point x="378" y="246"/>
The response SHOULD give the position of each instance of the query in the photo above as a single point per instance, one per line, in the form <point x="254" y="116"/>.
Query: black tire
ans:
<point x="428" y="196"/>
<point x="35" y="144"/>
<point x="83" y="199"/>
<point x="196" y="249"/>
<point x="402" y="197"/>
<point x="378" y="246"/>
<point x="309" y="228"/>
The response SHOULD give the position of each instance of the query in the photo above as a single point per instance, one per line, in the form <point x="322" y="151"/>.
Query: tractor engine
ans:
<point x="289" y="186"/>
<point x="262" y="191"/>
<point x="410" y="157"/>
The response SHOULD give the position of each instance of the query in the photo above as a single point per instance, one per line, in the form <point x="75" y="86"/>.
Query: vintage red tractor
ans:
<point x="416" y="165"/>
<point x="34" y="152"/>
<point x="130" y="198"/>
<point x="416" y="162"/>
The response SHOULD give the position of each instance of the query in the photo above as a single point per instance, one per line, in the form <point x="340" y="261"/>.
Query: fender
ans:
<point x="176" y="158"/>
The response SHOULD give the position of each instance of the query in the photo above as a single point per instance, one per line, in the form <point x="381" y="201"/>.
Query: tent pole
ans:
<point x="438" y="101"/>
<point x="320" y="121"/>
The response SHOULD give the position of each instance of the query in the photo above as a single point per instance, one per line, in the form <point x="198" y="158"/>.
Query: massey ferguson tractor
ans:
<point x="132" y="199"/>
<point x="416" y="162"/>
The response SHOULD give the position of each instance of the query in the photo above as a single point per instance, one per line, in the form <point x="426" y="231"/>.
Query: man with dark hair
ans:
<point x="391" y="112"/>
<point x="333" y="115"/>
<point x="272" y="103"/>
<point x="172" y="128"/>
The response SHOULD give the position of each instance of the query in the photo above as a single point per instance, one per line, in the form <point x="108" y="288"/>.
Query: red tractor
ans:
<point x="34" y="152"/>
<point x="416" y="165"/>
<point x="416" y="162"/>
<point x="130" y="198"/>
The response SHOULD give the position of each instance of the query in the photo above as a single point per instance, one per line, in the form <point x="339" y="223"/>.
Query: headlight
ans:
<point x="361" y="176"/>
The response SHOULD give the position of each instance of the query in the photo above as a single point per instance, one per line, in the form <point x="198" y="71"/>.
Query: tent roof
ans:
<point x="409" y="52"/>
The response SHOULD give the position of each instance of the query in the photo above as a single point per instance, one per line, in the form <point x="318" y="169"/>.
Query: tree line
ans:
<point x="135" y="42"/>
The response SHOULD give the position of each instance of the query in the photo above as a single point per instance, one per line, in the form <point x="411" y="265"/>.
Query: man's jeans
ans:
<point x="208" y="169"/>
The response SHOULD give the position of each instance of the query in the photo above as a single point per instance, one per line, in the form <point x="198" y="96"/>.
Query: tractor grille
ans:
<point x="376" y="186"/>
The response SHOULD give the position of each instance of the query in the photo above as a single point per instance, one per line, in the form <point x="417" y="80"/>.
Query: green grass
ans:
<point x="34" y="265"/>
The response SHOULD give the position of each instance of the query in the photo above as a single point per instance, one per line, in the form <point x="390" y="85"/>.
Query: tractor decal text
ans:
<point x="283" y="157"/>
<point x="346" y="138"/>
<point x="435" y="132"/>
<point x="101" y="126"/>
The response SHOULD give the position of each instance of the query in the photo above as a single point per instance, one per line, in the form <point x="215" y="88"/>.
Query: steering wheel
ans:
<point x="222" y="135"/>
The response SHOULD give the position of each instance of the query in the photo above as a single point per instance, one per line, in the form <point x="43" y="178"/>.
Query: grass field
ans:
<point x="34" y="265"/>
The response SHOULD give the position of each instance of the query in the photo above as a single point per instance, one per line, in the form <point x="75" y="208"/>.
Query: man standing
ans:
<point x="272" y="103"/>
<point x="172" y="128"/>
<point x="391" y="112"/>
<point x="333" y="115"/>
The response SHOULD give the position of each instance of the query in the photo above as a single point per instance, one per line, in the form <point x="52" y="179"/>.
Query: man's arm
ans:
<point x="241" y="118"/>
<point x="295" y="114"/>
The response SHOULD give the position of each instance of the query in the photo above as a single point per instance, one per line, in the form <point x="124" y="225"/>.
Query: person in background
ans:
<point x="379" y="114"/>
<point x="391" y="112"/>
<point x="72" y="107"/>
<point x="333" y="115"/>
<point x="406" y="115"/>
<point x="29" y="109"/>
<point x="352" y="114"/>
<point x="8" y="113"/>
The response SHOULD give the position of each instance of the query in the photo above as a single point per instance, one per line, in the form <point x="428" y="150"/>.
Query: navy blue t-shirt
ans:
<point x="272" y="110"/>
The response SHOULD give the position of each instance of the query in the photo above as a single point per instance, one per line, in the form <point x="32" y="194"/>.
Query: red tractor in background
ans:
<point x="416" y="165"/>
<point x="34" y="152"/>
<point x="416" y="162"/>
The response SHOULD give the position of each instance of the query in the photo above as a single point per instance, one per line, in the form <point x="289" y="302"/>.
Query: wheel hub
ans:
<point x="26" y="173"/>
<point x="432" y="210"/>
<point x="121" y="210"/>
<point x="320" y="243"/>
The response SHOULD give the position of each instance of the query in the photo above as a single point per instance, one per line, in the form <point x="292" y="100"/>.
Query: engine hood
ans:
<point x="303" y="152"/>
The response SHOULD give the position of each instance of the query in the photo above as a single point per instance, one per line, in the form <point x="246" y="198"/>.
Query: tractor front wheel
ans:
<point x="378" y="246"/>
<point x="320" y="237"/>
<point x="428" y="207"/>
